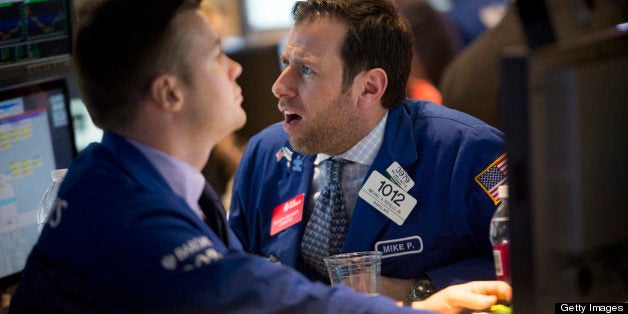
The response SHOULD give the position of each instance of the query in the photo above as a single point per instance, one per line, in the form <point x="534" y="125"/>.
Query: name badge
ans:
<point x="397" y="247"/>
<point x="388" y="198"/>
<point x="400" y="176"/>
<point x="287" y="214"/>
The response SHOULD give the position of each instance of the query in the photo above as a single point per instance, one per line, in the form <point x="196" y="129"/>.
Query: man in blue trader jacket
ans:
<point x="135" y="228"/>
<point x="420" y="180"/>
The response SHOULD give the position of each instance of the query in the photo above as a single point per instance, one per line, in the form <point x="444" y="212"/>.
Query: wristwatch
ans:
<point x="421" y="289"/>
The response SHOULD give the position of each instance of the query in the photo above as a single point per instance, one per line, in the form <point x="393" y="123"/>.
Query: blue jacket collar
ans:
<point x="133" y="161"/>
<point x="367" y="222"/>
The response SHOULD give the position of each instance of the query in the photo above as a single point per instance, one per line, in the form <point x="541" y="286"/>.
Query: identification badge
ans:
<point x="387" y="197"/>
<point x="287" y="214"/>
<point x="397" y="247"/>
<point x="400" y="176"/>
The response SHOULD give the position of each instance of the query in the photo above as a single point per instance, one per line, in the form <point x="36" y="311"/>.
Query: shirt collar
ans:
<point x="184" y="180"/>
<point x="365" y="151"/>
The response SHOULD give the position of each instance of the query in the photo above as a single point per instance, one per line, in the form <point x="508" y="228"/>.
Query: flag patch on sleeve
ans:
<point x="492" y="177"/>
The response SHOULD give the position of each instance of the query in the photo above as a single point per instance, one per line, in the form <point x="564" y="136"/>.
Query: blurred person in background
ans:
<point x="436" y="42"/>
<point x="471" y="81"/>
<point x="472" y="18"/>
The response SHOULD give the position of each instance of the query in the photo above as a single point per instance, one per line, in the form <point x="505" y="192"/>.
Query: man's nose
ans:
<point x="283" y="88"/>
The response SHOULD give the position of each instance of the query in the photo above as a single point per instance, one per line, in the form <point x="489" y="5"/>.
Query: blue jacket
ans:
<point x="121" y="241"/>
<point x="446" y="236"/>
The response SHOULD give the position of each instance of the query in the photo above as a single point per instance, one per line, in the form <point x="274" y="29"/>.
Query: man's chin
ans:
<point x="302" y="147"/>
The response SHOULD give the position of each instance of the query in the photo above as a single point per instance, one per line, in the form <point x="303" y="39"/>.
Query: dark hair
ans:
<point x="121" y="46"/>
<point x="376" y="38"/>
<point x="436" y="41"/>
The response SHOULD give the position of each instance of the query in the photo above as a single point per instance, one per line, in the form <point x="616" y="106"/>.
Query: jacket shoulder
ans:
<point x="435" y="113"/>
<point x="269" y="140"/>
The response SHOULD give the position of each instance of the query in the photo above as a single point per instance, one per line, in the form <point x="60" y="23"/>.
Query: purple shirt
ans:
<point x="185" y="180"/>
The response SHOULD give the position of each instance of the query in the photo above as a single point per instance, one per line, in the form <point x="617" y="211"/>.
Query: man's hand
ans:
<point x="396" y="289"/>
<point x="475" y="295"/>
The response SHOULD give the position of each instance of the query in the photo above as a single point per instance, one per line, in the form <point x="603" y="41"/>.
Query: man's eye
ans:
<point x="306" y="70"/>
<point x="283" y="64"/>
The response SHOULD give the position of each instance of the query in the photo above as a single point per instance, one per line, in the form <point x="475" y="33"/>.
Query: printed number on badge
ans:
<point x="388" y="189"/>
<point x="387" y="197"/>
<point x="400" y="176"/>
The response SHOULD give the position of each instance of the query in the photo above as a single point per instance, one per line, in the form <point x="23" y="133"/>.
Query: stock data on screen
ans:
<point x="33" y="30"/>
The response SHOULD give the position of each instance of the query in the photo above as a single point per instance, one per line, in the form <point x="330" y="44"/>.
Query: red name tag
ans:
<point x="287" y="214"/>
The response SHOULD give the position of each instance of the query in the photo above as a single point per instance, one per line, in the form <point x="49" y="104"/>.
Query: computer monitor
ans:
<point x="566" y="124"/>
<point x="35" y="36"/>
<point x="36" y="137"/>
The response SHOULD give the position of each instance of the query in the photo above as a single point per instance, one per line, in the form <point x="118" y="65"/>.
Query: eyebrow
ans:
<point x="216" y="44"/>
<point x="299" y="58"/>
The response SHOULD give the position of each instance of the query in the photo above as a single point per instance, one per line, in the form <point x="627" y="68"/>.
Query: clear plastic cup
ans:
<point x="360" y="271"/>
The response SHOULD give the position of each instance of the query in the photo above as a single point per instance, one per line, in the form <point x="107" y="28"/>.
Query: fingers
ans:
<point x="466" y="299"/>
<point x="500" y="289"/>
<point x="476" y="295"/>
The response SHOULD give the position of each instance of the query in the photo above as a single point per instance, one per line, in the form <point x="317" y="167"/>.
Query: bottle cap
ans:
<point x="58" y="173"/>
<point x="502" y="191"/>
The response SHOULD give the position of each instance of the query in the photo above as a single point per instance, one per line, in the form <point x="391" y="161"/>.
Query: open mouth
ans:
<point x="291" y="117"/>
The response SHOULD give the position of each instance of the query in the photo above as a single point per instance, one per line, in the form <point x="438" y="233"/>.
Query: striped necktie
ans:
<point x="326" y="230"/>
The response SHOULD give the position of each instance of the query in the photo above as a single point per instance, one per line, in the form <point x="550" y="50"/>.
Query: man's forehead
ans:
<point x="315" y="38"/>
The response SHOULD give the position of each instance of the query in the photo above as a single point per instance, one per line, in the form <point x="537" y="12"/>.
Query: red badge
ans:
<point x="287" y="214"/>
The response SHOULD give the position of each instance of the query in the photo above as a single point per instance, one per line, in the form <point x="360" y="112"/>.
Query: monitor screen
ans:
<point x="35" y="36"/>
<point x="565" y="130"/>
<point x="36" y="137"/>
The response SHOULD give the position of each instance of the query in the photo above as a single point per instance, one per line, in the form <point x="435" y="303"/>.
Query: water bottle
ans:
<point x="50" y="196"/>
<point x="500" y="236"/>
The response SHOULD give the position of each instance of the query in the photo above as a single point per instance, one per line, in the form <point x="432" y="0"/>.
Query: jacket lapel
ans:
<point x="367" y="223"/>
<point x="298" y="171"/>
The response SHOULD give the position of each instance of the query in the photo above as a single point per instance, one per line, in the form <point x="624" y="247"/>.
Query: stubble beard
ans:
<point x="331" y="132"/>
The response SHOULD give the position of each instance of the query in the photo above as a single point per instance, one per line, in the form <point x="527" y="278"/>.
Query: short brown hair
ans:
<point x="121" y="46"/>
<point x="377" y="37"/>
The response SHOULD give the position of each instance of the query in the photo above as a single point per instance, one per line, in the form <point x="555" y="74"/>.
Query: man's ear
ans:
<point x="166" y="92"/>
<point x="374" y="85"/>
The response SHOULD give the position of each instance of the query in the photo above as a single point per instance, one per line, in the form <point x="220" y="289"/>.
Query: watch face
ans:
<point x="422" y="289"/>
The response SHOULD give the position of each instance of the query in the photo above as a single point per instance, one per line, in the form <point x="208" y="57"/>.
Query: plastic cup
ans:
<point x="359" y="271"/>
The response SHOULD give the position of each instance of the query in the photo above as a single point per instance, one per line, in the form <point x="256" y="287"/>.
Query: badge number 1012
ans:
<point x="387" y="197"/>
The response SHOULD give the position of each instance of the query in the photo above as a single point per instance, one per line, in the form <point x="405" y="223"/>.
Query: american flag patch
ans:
<point x="492" y="177"/>
<point x="284" y="152"/>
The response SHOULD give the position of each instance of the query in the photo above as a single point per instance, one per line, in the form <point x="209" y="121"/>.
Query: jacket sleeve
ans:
<point x="202" y="276"/>
<point x="472" y="206"/>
